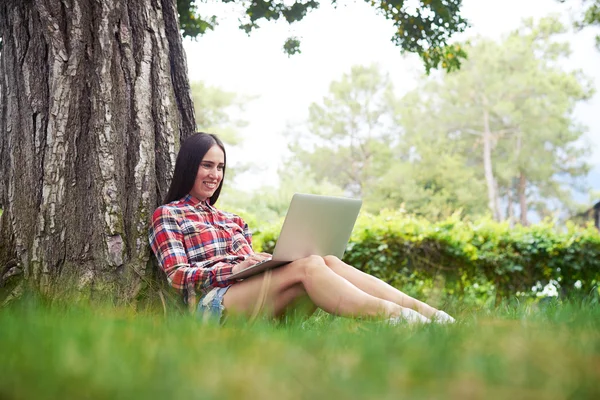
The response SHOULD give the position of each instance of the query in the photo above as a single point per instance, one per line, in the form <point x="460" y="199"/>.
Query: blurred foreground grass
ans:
<point x="548" y="351"/>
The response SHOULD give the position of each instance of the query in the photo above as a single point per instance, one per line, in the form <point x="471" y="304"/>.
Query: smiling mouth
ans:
<point x="211" y="185"/>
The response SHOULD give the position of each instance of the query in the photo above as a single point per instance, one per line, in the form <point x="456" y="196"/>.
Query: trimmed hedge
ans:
<point x="402" y="249"/>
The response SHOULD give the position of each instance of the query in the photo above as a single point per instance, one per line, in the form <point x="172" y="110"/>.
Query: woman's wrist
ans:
<point x="239" y="266"/>
<point x="235" y="269"/>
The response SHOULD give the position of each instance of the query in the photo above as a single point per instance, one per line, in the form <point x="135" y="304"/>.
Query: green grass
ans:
<point x="549" y="351"/>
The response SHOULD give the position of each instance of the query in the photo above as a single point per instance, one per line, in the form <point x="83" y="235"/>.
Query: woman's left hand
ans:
<point x="250" y="261"/>
<point x="264" y="256"/>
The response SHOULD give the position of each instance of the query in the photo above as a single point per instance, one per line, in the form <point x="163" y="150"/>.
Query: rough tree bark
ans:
<point x="94" y="99"/>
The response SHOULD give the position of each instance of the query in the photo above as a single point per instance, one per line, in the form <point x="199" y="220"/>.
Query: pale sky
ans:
<point x="332" y="41"/>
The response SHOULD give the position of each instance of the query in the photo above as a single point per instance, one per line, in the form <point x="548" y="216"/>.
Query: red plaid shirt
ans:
<point x="197" y="245"/>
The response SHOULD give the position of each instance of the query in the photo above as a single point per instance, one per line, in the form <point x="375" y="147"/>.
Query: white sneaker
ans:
<point x="410" y="316"/>
<point x="442" y="318"/>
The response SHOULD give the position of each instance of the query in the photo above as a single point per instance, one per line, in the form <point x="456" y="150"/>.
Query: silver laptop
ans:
<point x="314" y="225"/>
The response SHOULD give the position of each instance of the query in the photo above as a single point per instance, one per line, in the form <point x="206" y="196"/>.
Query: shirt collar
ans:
<point x="194" y="202"/>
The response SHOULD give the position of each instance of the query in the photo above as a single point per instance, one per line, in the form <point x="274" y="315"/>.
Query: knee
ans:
<point x="311" y="264"/>
<point x="299" y="268"/>
<point x="331" y="260"/>
<point x="314" y="260"/>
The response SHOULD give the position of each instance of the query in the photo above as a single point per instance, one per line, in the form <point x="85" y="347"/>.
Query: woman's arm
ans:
<point x="167" y="242"/>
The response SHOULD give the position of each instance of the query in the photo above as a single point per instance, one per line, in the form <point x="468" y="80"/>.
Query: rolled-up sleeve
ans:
<point x="167" y="242"/>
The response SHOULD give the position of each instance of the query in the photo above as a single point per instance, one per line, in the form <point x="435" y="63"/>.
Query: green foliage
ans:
<point x="589" y="17"/>
<point x="592" y="18"/>
<point x="424" y="28"/>
<point x="546" y="351"/>
<point x="213" y="109"/>
<point x="191" y="23"/>
<point x="475" y="259"/>
<point x="350" y="133"/>
<point x="503" y="124"/>
<point x="436" y="178"/>
<point x="292" y="46"/>
<point x="271" y="204"/>
<point x="219" y="111"/>
<point x="273" y="10"/>
<point x="527" y="100"/>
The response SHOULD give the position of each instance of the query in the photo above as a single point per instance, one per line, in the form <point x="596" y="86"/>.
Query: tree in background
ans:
<point x="497" y="133"/>
<point x="215" y="108"/>
<point x="541" y="159"/>
<point x="431" y="175"/>
<point x="219" y="111"/>
<point x="349" y="134"/>
<point x="510" y="110"/>
<point x="271" y="204"/>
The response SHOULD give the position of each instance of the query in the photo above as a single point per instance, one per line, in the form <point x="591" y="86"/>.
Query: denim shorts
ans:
<point x="210" y="306"/>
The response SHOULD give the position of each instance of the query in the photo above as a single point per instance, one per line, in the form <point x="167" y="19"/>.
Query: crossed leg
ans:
<point x="330" y="284"/>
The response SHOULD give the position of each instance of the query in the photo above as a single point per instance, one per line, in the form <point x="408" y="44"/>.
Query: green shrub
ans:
<point x="477" y="259"/>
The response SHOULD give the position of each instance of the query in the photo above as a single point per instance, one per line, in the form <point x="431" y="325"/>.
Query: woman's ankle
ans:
<point x="426" y="309"/>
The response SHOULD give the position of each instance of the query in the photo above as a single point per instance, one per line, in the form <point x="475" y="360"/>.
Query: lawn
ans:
<point x="542" y="351"/>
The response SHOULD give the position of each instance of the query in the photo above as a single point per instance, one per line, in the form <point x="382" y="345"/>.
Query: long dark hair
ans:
<point x="192" y="151"/>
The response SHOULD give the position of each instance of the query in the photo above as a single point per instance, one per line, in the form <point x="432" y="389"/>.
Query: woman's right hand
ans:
<point x="250" y="261"/>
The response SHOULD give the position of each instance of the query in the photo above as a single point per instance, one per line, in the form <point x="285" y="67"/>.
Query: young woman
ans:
<point x="199" y="247"/>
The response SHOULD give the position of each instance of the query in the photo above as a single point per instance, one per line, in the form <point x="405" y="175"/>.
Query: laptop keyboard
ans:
<point x="260" y="263"/>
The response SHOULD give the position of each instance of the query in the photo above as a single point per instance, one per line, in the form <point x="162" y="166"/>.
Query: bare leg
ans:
<point x="309" y="276"/>
<point x="298" y="304"/>
<point x="376" y="287"/>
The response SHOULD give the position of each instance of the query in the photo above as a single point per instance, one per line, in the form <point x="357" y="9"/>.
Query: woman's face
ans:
<point x="210" y="174"/>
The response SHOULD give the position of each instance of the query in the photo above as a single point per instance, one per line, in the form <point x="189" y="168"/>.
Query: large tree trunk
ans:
<point x="94" y="100"/>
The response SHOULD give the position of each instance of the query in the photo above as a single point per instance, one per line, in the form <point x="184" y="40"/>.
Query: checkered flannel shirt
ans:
<point x="197" y="245"/>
